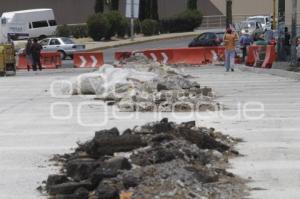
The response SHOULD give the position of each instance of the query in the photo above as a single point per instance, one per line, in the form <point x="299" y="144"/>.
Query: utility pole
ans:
<point x="132" y="20"/>
<point x="228" y="12"/>
<point x="274" y="15"/>
<point x="281" y="33"/>
<point x="294" y="60"/>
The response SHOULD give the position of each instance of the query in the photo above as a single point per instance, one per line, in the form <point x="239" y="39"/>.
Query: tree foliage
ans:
<point x="99" y="6"/>
<point x="192" y="5"/>
<point x="148" y="9"/>
<point x="114" y="5"/>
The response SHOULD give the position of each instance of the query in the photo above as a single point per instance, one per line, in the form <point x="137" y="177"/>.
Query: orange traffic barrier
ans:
<point x="270" y="57"/>
<point x="159" y="55"/>
<point x="119" y="56"/>
<point x="88" y="59"/>
<point x="49" y="60"/>
<point x="261" y="56"/>
<point x="193" y="56"/>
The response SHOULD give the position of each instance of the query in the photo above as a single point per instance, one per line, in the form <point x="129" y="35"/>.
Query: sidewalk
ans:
<point x="93" y="46"/>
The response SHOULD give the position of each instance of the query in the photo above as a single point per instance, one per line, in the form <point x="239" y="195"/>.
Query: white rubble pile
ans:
<point x="145" y="86"/>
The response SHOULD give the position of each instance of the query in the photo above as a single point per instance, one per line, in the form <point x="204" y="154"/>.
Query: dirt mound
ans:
<point x="158" y="160"/>
<point x="142" y="85"/>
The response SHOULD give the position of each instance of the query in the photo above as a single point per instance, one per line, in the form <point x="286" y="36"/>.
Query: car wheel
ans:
<point x="62" y="55"/>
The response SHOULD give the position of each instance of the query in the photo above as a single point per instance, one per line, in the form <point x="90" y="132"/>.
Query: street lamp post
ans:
<point x="228" y="12"/>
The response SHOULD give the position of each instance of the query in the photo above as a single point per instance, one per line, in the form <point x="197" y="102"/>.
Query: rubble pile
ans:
<point x="158" y="160"/>
<point x="142" y="85"/>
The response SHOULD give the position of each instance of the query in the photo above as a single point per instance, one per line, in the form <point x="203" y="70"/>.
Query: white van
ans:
<point x="12" y="31"/>
<point x="264" y="20"/>
<point x="40" y="22"/>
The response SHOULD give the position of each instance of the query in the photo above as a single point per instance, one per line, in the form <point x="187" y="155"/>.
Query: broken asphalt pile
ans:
<point x="158" y="160"/>
<point x="141" y="85"/>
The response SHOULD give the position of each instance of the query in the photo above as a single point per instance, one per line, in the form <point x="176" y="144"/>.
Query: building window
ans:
<point x="30" y="26"/>
<point x="52" y="23"/>
<point x="39" y="24"/>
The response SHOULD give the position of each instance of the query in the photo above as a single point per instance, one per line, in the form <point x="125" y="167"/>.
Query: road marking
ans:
<point x="95" y="61"/>
<point x="166" y="58"/>
<point x="153" y="57"/>
<point x="83" y="61"/>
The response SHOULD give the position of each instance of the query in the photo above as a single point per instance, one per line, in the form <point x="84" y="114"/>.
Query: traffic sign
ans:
<point x="135" y="12"/>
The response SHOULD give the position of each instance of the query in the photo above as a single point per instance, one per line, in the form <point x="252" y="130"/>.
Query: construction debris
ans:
<point x="158" y="160"/>
<point x="142" y="85"/>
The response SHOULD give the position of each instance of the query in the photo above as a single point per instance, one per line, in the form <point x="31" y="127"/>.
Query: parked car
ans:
<point x="208" y="39"/>
<point x="265" y="21"/>
<point x="64" y="45"/>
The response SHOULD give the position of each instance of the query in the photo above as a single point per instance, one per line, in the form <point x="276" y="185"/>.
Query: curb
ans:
<point x="147" y="39"/>
<point x="275" y="72"/>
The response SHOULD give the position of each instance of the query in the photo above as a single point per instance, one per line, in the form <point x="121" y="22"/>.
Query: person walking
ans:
<point x="245" y="42"/>
<point x="287" y="44"/>
<point x="28" y="54"/>
<point x="230" y="39"/>
<point x="36" y="55"/>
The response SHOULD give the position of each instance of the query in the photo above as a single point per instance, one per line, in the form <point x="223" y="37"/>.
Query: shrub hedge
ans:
<point x="100" y="26"/>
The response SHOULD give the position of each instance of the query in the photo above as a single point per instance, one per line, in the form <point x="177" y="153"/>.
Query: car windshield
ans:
<point x="247" y="24"/>
<point x="67" y="40"/>
<point x="220" y="35"/>
<point x="258" y="19"/>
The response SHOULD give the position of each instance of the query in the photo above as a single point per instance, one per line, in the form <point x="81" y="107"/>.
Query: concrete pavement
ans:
<point x="30" y="135"/>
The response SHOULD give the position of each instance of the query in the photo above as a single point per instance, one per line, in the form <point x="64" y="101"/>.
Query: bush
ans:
<point x="150" y="27"/>
<point x="184" y="22"/>
<point x="137" y="26"/>
<point x="98" y="26"/>
<point x="63" y="31"/>
<point x="114" y="18"/>
<point x="124" y="28"/>
<point x="77" y="31"/>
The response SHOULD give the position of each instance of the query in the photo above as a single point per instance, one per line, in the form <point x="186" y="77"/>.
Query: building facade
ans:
<point x="77" y="11"/>
<point x="243" y="8"/>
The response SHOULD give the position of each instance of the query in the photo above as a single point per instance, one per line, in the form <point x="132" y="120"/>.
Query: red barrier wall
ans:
<point x="49" y="60"/>
<point x="88" y="59"/>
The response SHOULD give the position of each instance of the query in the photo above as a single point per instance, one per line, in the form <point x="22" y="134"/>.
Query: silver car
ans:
<point x="250" y="27"/>
<point x="65" y="46"/>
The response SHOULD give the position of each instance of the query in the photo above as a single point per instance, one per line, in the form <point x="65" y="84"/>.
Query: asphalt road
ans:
<point x="36" y="122"/>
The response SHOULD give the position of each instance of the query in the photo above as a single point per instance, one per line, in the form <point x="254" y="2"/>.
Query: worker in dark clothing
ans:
<point x="36" y="55"/>
<point x="245" y="42"/>
<point x="28" y="54"/>
<point x="287" y="44"/>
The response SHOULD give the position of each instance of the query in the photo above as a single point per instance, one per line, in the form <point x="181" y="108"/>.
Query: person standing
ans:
<point x="287" y="44"/>
<point x="245" y="42"/>
<point x="28" y="54"/>
<point x="230" y="39"/>
<point x="36" y="55"/>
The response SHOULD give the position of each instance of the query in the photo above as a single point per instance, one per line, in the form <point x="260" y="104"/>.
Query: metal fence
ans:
<point x="212" y="22"/>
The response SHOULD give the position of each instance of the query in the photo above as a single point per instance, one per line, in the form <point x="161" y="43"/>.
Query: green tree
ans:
<point x="98" y="26"/>
<point x="114" y="5"/>
<point x="99" y="6"/>
<point x="148" y="9"/>
<point x="154" y="8"/>
<point x="192" y="5"/>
